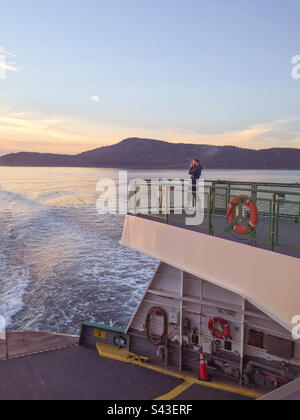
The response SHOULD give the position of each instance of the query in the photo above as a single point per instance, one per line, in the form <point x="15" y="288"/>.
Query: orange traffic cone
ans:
<point x="203" y="368"/>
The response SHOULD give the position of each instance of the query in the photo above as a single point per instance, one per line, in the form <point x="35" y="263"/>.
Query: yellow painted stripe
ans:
<point x="175" y="392"/>
<point x="124" y="356"/>
<point x="20" y="356"/>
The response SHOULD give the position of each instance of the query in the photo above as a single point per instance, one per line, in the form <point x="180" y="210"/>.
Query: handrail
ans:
<point x="211" y="184"/>
<point x="279" y="210"/>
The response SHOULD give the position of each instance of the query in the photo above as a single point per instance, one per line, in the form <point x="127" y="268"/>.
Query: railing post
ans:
<point x="254" y="192"/>
<point x="277" y="222"/>
<point x="135" y="201"/>
<point x="273" y="222"/>
<point x="167" y="204"/>
<point x="209" y="210"/>
<point x="228" y="195"/>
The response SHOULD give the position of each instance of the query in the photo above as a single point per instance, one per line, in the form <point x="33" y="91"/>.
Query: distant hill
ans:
<point x="135" y="153"/>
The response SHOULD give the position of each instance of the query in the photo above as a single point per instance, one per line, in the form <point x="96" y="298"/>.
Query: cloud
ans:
<point x="29" y="132"/>
<point x="10" y="67"/>
<point x="279" y="133"/>
<point x="95" y="98"/>
<point x="3" y="51"/>
<point x="36" y="133"/>
<point x="5" y="62"/>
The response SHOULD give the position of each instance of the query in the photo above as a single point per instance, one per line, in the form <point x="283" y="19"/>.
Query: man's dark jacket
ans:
<point x="196" y="173"/>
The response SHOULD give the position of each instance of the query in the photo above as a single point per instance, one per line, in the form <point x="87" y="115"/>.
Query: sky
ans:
<point x="76" y="75"/>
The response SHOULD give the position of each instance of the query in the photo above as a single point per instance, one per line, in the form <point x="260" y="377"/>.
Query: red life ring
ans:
<point x="219" y="328"/>
<point x="254" y="216"/>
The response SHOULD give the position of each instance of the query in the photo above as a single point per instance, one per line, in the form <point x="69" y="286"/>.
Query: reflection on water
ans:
<point x="60" y="262"/>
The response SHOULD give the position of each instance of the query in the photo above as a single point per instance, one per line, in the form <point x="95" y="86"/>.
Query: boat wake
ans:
<point x="62" y="265"/>
<point x="14" y="275"/>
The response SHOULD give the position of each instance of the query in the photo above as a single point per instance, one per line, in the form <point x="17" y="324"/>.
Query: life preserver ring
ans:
<point x="219" y="328"/>
<point x="254" y="216"/>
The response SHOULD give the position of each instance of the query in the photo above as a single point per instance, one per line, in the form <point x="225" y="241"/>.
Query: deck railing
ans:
<point x="278" y="206"/>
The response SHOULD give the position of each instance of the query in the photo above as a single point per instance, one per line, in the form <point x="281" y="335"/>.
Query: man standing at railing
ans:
<point x="195" y="172"/>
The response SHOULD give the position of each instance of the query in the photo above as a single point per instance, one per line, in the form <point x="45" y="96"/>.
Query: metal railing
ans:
<point x="278" y="207"/>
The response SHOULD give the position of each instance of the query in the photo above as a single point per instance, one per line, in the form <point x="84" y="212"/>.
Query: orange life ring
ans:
<point x="219" y="328"/>
<point x="254" y="216"/>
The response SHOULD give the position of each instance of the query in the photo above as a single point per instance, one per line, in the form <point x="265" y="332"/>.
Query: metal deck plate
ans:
<point x="79" y="373"/>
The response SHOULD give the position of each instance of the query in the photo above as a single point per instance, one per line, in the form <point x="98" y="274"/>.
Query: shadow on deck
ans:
<point x="78" y="373"/>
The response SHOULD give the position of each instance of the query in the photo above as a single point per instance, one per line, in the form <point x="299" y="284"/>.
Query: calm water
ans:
<point x="60" y="261"/>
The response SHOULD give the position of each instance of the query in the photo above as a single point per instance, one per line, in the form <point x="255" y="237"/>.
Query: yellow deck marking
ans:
<point x="175" y="392"/>
<point x="125" y="356"/>
<point x="20" y="356"/>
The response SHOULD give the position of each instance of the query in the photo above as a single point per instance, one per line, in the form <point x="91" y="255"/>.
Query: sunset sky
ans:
<point x="76" y="75"/>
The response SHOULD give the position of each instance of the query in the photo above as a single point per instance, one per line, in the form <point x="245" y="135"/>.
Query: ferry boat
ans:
<point x="219" y="319"/>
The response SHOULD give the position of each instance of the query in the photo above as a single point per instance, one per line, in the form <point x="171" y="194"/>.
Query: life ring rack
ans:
<point x="254" y="215"/>
<point x="219" y="328"/>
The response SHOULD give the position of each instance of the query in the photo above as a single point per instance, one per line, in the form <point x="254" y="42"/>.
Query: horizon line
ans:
<point x="153" y="140"/>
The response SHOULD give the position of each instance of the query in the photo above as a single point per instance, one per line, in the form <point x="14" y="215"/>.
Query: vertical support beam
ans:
<point x="242" y="340"/>
<point x="181" y="322"/>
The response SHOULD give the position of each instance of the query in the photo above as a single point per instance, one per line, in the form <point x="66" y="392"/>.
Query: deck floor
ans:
<point x="78" y="373"/>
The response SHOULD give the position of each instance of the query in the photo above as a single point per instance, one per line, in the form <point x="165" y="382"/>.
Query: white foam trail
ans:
<point x="14" y="281"/>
